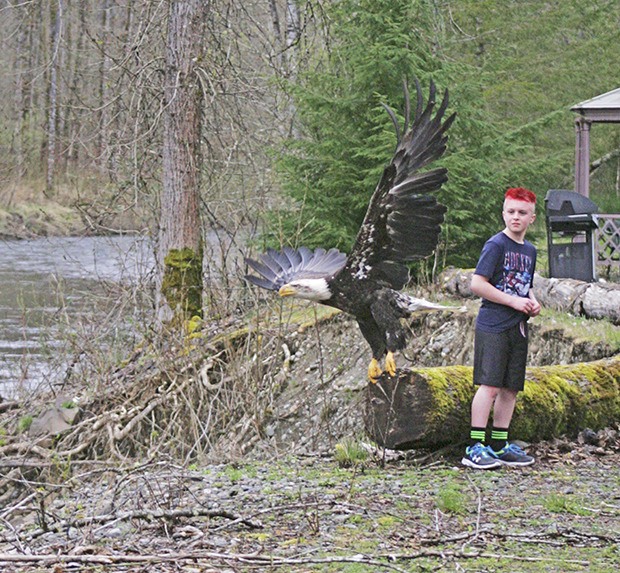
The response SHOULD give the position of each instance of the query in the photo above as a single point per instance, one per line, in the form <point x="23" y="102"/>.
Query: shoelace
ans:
<point x="515" y="449"/>
<point x="480" y="450"/>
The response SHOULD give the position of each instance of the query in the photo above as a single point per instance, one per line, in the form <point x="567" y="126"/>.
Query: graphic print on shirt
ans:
<point x="516" y="274"/>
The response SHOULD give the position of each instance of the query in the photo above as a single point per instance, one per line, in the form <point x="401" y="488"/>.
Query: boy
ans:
<point x="503" y="278"/>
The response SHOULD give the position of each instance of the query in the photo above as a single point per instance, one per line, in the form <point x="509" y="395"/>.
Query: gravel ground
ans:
<point x="307" y="513"/>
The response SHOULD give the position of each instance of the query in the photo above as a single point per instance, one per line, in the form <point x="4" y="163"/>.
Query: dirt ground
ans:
<point x="306" y="513"/>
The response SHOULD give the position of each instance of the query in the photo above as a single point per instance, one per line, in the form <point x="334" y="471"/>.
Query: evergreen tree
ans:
<point x="502" y="137"/>
<point x="331" y="171"/>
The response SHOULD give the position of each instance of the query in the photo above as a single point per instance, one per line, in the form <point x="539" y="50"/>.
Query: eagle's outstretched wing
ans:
<point x="278" y="268"/>
<point x="403" y="219"/>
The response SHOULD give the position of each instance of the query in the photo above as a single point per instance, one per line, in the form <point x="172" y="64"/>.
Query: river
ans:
<point x="58" y="293"/>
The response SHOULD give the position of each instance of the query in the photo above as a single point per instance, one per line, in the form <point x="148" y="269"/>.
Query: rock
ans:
<point x="602" y="301"/>
<point x="588" y="436"/>
<point x="53" y="421"/>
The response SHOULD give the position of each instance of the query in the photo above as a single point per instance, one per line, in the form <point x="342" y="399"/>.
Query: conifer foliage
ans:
<point x="344" y="137"/>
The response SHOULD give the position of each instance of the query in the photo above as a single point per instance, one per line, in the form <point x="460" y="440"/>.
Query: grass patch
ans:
<point x="579" y="328"/>
<point x="24" y="423"/>
<point x="451" y="499"/>
<point x="562" y="503"/>
<point x="350" y="453"/>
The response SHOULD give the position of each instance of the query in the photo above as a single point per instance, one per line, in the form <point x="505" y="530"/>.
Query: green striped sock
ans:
<point x="477" y="435"/>
<point x="499" y="437"/>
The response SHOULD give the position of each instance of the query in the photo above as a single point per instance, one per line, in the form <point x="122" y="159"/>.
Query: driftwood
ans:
<point x="430" y="407"/>
<point x="590" y="300"/>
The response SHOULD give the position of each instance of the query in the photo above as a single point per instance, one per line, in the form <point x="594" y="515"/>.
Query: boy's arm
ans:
<point x="481" y="286"/>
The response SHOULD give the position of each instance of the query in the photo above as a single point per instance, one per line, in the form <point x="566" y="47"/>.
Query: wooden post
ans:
<point x="582" y="156"/>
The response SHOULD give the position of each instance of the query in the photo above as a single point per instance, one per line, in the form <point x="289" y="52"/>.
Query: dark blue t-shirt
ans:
<point x="509" y="266"/>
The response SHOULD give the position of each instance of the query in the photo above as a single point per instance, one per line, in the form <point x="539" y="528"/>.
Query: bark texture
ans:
<point x="430" y="407"/>
<point x="180" y="230"/>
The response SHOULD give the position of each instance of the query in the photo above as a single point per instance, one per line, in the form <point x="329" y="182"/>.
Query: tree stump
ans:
<point x="430" y="407"/>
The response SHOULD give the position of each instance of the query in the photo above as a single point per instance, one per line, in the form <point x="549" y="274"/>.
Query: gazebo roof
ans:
<point x="604" y="107"/>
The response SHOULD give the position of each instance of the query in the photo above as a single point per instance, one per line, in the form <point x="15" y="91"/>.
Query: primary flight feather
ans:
<point x="402" y="224"/>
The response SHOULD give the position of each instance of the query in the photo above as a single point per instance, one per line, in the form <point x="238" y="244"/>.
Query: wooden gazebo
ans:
<point x="604" y="108"/>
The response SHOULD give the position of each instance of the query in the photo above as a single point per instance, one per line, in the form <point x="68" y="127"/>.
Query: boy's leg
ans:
<point x="477" y="454"/>
<point x="504" y="407"/>
<point x="503" y="410"/>
<point x="507" y="453"/>
<point x="481" y="405"/>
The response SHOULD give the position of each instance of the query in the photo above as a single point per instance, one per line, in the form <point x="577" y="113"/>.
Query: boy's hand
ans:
<point x="534" y="308"/>
<point x="525" y="305"/>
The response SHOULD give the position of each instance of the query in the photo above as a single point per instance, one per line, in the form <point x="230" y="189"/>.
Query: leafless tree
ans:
<point x="56" y="24"/>
<point x="179" y="245"/>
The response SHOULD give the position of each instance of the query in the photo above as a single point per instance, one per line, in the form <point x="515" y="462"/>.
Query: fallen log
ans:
<point x="430" y="407"/>
<point x="590" y="300"/>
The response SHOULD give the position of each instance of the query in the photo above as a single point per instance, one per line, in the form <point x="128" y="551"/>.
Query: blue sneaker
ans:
<point x="480" y="457"/>
<point x="513" y="455"/>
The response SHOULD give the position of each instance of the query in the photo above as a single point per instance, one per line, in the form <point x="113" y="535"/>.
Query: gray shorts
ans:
<point x="500" y="358"/>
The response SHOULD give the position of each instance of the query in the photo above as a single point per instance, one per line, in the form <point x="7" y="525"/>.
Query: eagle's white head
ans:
<point x="309" y="289"/>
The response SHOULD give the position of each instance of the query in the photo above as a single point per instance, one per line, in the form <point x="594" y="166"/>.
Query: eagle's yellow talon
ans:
<point x="374" y="371"/>
<point x="390" y="364"/>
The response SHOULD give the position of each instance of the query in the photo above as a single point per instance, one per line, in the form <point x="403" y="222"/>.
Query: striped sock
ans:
<point x="477" y="435"/>
<point x="499" y="437"/>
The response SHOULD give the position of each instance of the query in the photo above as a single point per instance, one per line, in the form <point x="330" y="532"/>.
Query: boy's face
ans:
<point x="518" y="215"/>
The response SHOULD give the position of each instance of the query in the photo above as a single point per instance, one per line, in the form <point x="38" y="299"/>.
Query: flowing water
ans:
<point x="50" y="288"/>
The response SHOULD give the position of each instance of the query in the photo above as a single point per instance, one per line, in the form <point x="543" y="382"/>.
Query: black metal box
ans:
<point x="571" y="221"/>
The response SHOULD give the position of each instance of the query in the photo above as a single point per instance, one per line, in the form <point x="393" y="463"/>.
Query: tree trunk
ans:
<point x="53" y="95"/>
<point x="430" y="407"/>
<point x="179" y="247"/>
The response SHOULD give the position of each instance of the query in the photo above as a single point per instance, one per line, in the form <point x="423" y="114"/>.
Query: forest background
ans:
<point x="217" y="128"/>
<point x="285" y="137"/>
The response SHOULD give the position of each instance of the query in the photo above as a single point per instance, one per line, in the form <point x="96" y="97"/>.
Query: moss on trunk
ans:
<point x="430" y="407"/>
<point x="182" y="282"/>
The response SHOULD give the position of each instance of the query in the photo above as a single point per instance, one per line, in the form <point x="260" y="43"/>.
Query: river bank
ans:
<point x="29" y="215"/>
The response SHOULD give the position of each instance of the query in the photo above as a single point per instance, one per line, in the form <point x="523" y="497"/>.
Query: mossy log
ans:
<point x="430" y="407"/>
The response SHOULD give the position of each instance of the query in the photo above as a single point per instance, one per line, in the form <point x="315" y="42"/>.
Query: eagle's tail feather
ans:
<point x="412" y="304"/>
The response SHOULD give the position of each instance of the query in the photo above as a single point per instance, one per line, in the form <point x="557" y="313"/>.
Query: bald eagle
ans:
<point x="402" y="224"/>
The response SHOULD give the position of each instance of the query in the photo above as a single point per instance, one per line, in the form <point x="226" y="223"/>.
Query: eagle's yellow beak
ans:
<point x="287" y="290"/>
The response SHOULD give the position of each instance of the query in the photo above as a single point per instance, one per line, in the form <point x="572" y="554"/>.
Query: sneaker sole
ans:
<point x="517" y="464"/>
<point x="470" y="464"/>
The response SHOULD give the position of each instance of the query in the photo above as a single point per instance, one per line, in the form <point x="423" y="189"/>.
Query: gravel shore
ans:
<point x="305" y="513"/>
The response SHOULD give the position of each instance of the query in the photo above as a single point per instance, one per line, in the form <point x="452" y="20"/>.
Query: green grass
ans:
<point x="562" y="503"/>
<point x="452" y="499"/>
<point x="350" y="453"/>
<point x="24" y="423"/>
<point x="596" y="331"/>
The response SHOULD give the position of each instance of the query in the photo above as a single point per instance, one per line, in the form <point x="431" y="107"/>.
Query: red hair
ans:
<point x="520" y="194"/>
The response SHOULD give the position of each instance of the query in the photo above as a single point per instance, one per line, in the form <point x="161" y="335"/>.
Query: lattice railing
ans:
<point x="608" y="240"/>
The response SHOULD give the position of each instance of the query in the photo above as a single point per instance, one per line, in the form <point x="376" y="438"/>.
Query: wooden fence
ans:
<point x="608" y="240"/>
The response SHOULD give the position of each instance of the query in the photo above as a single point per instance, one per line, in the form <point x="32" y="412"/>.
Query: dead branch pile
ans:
<point x="189" y="399"/>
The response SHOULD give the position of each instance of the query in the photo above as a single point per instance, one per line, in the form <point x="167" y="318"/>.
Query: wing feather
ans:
<point x="403" y="220"/>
